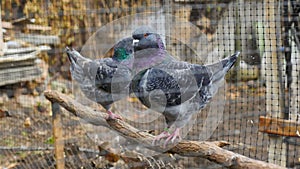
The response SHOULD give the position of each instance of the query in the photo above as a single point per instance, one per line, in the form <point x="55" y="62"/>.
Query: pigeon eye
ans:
<point x="146" y="34"/>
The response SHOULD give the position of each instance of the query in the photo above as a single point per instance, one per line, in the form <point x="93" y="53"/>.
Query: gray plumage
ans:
<point x="104" y="80"/>
<point x="174" y="88"/>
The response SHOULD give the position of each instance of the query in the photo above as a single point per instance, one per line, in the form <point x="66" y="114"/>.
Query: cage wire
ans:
<point x="263" y="85"/>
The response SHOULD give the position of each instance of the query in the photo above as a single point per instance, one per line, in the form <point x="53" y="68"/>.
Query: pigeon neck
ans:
<point x="148" y="58"/>
<point x="121" y="54"/>
<point x="161" y="45"/>
<point x="128" y="62"/>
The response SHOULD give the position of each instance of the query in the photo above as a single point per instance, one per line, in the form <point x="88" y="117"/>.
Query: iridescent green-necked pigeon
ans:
<point x="104" y="80"/>
<point x="174" y="88"/>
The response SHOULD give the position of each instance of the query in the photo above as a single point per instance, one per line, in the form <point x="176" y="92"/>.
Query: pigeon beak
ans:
<point x="135" y="42"/>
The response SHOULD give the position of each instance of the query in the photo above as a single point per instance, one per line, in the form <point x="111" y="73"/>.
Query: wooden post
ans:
<point x="294" y="91"/>
<point x="277" y="149"/>
<point x="1" y="36"/>
<point x="58" y="136"/>
<point x="294" y="101"/>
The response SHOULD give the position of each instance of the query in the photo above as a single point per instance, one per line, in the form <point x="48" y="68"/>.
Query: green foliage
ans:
<point x="50" y="140"/>
<point x="24" y="133"/>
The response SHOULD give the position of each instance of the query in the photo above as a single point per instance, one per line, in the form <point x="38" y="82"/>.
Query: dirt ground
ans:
<point x="27" y="141"/>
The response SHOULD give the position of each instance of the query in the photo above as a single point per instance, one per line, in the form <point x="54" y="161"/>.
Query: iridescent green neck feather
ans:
<point x="120" y="54"/>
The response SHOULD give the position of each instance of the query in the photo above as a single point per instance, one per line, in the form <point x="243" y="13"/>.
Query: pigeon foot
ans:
<point x="172" y="137"/>
<point x="113" y="116"/>
<point x="164" y="134"/>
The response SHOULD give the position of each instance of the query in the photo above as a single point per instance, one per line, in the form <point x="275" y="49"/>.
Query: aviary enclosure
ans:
<point x="252" y="122"/>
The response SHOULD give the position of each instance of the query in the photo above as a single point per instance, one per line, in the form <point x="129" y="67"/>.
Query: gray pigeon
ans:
<point x="174" y="88"/>
<point x="104" y="80"/>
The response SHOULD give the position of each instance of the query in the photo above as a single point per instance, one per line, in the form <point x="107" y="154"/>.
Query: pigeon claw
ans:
<point x="113" y="116"/>
<point x="164" y="134"/>
<point x="172" y="137"/>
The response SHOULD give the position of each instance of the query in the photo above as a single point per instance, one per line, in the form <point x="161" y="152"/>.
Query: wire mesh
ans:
<point x="264" y="84"/>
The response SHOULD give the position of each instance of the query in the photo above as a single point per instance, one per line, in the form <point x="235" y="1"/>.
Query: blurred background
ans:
<point x="262" y="87"/>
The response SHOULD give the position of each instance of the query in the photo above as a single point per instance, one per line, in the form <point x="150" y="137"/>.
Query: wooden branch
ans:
<point x="209" y="150"/>
<point x="7" y="25"/>
<point x="280" y="127"/>
<point x="38" y="27"/>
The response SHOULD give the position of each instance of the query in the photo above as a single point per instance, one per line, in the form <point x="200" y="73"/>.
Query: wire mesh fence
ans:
<point x="256" y="110"/>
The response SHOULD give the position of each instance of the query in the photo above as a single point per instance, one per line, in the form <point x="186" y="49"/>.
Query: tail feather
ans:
<point x="77" y="64"/>
<point x="220" y="70"/>
<point x="230" y="61"/>
<point x="72" y="59"/>
<point x="75" y="56"/>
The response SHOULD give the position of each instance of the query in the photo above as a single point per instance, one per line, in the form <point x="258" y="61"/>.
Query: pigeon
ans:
<point x="104" y="80"/>
<point x="174" y="88"/>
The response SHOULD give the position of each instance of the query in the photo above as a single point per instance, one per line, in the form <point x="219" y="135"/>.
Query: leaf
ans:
<point x="50" y="140"/>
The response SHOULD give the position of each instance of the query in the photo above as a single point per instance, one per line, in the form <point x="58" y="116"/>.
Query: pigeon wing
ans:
<point x="112" y="77"/>
<point x="168" y="84"/>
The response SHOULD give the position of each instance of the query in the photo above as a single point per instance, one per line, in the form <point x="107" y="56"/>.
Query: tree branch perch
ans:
<point x="208" y="150"/>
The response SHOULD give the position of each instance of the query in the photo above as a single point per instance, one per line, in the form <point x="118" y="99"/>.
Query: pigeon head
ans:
<point x="123" y="50"/>
<point x="145" y="37"/>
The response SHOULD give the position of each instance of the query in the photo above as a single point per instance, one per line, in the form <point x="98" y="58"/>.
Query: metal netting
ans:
<point x="256" y="110"/>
